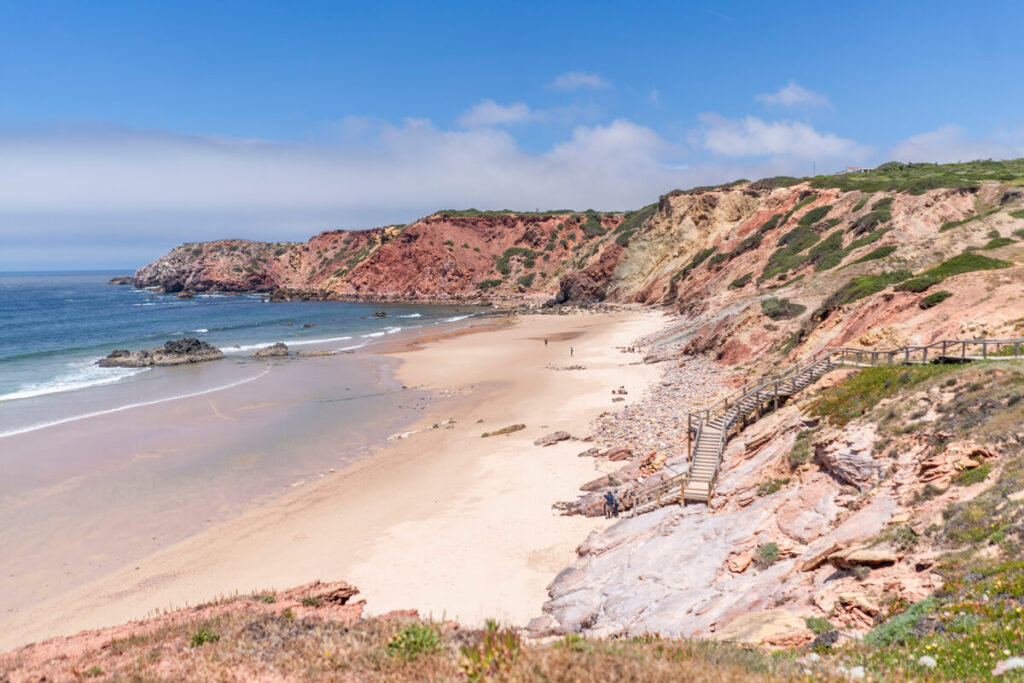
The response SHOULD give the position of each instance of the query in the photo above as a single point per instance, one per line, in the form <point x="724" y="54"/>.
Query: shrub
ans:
<point x="717" y="259"/>
<point x="966" y="263"/>
<point x="814" y="215"/>
<point x="93" y="671"/>
<point x="781" y="309"/>
<point x="740" y="282"/>
<point x="749" y="244"/>
<point x="593" y="227"/>
<point x="973" y="475"/>
<point x="495" y="653"/>
<point x="310" y="602"/>
<point x="766" y="555"/>
<point x="769" y="487"/>
<point x="858" y="288"/>
<point x="934" y="299"/>
<point x="997" y="242"/>
<point x="870" y="221"/>
<point x="1017" y="214"/>
<point x="771" y="223"/>
<point x="900" y="628"/>
<point x="415" y="640"/>
<point x="774" y="182"/>
<point x="202" y="637"/>
<point x="526" y="280"/>
<point x="488" y="284"/>
<point x="919" y="283"/>
<point x="828" y="253"/>
<point x="858" y="394"/>
<point x="818" y="624"/>
<point x="860" y="205"/>
<point x="449" y="243"/>
<point x="880" y="252"/>
<point x="697" y="259"/>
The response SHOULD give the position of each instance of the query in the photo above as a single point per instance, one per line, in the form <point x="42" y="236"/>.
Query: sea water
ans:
<point x="55" y="326"/>
<point x="101" y="467"/>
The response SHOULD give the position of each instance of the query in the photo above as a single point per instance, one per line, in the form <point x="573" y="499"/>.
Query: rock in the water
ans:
<point x="175" y="352"/>
<point x="186" y="295"/>
<point x="123" y="280"/>
<point x="274" y="351"/>
<point x="380" y="314"/>
<point x="778" y="627"/>
<point x="552" y="439"/>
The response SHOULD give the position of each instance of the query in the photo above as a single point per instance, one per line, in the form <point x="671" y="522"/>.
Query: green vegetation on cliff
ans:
<point x="918" y="178"/>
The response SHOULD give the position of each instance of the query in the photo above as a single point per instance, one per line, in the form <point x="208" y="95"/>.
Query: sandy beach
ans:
<point x="442" y="521"/>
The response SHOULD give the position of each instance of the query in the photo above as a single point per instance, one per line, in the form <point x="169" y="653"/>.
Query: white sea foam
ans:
<point x="372" y="334"/>
<point x="290" y="342"/>
<point x="201" y="330"/>
<point x="75" y="418"/>
<point x="82" y="376"/>
<point x="352" y="348"/>
<point x="410" y="315"/>
<point x="457" y="318"/>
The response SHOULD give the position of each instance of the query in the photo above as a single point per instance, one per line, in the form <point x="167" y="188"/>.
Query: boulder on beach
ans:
<point x="379" y="314"/>
<point x="552" y="439"/>
<point x="174" y="352"/>
<point x="273" y="351"/>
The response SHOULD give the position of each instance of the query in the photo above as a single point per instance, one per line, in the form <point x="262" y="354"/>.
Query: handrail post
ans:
<point x="984" y="350"/>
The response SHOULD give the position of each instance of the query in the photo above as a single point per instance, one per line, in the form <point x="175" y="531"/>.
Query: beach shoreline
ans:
<point x="443" y="521"/>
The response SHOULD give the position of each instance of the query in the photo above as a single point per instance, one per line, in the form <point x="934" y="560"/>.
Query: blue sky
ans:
<point x="129" y="127"/>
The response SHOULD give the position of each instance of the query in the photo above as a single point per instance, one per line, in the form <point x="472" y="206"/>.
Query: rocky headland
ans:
<point x="175" y="352"/>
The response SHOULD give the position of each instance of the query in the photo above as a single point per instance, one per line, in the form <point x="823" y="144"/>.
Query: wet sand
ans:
<point x="444" y="521"/>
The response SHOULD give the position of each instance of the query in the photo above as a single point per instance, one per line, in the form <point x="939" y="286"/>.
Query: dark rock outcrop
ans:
<point x="273" y="351"/>
<point x="174" y="352"/>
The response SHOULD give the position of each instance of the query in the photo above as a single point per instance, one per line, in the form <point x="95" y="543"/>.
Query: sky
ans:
<point x="127" y="128"/>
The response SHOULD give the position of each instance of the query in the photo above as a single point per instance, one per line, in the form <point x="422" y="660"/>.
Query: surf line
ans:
<point x="85" y="416"/>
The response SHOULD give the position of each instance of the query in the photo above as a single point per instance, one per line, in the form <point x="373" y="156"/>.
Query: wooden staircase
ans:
<point x="711" y="429"/>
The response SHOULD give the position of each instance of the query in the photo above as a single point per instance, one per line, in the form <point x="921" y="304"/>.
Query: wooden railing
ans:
<point x="709" y="429"/>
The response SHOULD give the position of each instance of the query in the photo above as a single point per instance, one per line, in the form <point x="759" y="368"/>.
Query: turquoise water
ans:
<point x="55" y="326"/>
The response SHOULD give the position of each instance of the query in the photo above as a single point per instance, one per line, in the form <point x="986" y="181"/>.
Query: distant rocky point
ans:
<point x="123" y="280"/>
<point x="175" y="352"/>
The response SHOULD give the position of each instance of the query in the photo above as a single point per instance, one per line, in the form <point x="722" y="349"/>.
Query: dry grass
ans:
<point x="273" y="647"/>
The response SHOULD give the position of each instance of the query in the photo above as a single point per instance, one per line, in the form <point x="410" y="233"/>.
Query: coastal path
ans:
<point x="710" y="429"/>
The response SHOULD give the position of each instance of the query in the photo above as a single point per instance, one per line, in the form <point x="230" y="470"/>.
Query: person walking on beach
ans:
<point x="570" y="352"/>
<point x="545" y="342"/>
<point x="609" y="505"/>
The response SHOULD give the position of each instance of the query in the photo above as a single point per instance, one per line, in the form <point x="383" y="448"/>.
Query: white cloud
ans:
<point x="85" y="194"/>
<point x="490" y="113"/>
<point x="574" y="80"/>
<point x="948" y="144"/>
<point x="793" y="95"/>
<point x="751" y="136"/>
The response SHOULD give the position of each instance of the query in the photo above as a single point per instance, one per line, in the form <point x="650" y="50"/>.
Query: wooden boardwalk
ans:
<point x="711" y="429"/>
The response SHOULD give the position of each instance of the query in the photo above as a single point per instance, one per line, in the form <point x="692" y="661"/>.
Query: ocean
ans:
<point x="100" y="467"/>
<point x="55" y="326"/>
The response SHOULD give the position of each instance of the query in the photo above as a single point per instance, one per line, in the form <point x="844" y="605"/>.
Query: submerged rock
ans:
<point x="174" y="352"/>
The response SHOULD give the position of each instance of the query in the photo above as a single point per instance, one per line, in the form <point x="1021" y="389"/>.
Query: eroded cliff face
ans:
<point x="731" y="254"/>
<point x="445" y="256"/>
